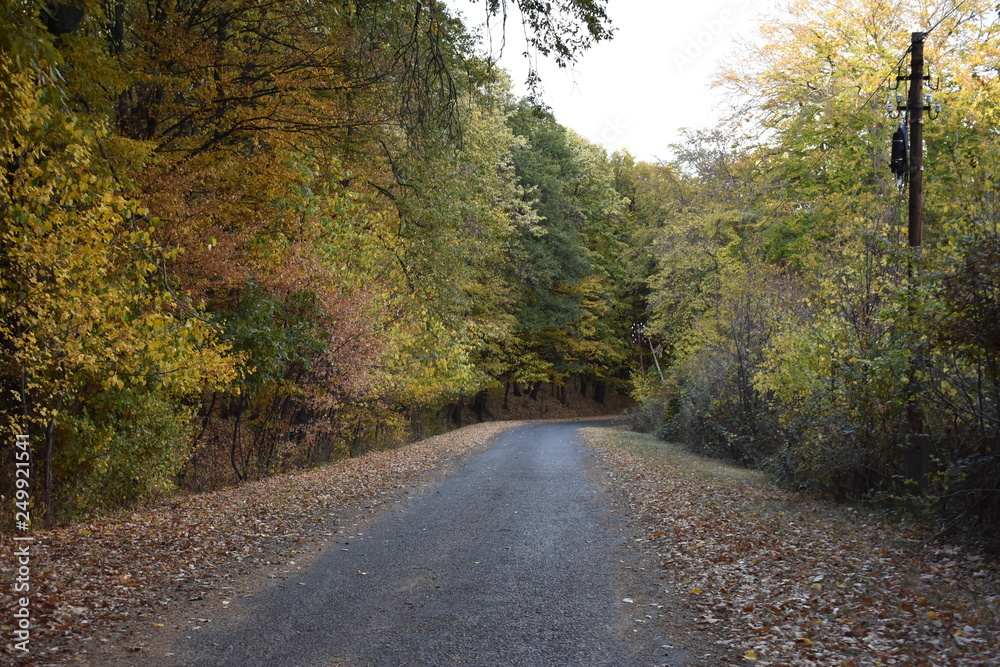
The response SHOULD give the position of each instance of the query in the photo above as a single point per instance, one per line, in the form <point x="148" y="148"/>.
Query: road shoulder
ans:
<point x="781" y="579"/>
<point x="654" y="603"/>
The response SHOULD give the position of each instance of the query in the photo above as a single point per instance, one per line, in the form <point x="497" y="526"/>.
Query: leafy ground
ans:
<point x="101" y="587"/>
<point x="775" y="579"/>
<point x="786" y="581"/>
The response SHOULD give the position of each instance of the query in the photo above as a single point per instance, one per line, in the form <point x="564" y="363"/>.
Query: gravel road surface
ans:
<point x="514" y="559"/>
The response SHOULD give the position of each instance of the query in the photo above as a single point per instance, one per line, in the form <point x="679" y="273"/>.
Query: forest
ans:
<point x="239" y="237"/>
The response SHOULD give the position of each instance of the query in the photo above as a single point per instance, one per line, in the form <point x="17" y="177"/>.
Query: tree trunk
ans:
<point x="416" y="422"/>
<point x="234" y="446"/>
<point x="480" y="405"/>
<point x="354" y="448"/>
<point x="49" y="477"/>
<point x="455" y="413"/>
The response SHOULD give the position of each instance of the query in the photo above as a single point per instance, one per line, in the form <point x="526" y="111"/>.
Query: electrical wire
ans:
<point x="945" y="17"/>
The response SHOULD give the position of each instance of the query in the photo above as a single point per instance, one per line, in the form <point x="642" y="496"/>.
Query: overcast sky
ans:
<point x="638" y="90"/>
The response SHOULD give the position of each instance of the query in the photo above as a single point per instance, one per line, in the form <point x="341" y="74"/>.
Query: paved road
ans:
<point x="508" y="561"/>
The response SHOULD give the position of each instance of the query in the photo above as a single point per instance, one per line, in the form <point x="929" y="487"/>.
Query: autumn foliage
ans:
<point x="238" y="237"/>
<point x="799" y="331"/>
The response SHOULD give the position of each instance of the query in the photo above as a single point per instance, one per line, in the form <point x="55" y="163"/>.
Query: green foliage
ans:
<point x="124" y="446"/>
<point x="571" y="278"/>
<point x="551" y="257"/>
<point x="271" y="335"/>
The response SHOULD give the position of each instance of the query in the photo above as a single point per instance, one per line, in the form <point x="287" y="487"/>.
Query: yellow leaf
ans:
<point x="695" y="591"/>
<point x="158" y="625"/>
<point x="750" y="655"/>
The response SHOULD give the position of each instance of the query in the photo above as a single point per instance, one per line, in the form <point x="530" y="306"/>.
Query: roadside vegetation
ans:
<point x="799" y="333"/>
<point x="238" y="238"/>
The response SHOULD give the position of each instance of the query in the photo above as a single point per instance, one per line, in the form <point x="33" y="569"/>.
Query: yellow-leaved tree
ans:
<point x="99" y="351"/>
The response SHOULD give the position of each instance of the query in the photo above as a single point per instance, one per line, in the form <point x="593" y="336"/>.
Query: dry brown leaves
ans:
<point x="88" y="577"/>
<point x="791" y="582"/>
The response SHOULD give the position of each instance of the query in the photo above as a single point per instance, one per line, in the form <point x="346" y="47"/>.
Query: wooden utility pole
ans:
<point x="915" y="106"/>
<point x="917" y="442"/>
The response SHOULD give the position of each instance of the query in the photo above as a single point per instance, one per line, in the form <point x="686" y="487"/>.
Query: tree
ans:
<point x="251" y="235"/>
<point x="810" y="314"/>
<point x="569" y="273"/>
<point x="85" y="315"/>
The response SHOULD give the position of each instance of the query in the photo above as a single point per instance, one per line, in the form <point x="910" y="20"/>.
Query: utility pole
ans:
<point x="915" y="106"/>
<point x="656" y="361"/>
<point x="917" y="441"/>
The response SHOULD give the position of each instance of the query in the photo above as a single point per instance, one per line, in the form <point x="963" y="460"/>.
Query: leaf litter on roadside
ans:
<point x="786" y="581"/>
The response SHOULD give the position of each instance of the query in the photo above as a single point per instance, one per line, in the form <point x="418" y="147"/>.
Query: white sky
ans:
<point x="638" y="90"/>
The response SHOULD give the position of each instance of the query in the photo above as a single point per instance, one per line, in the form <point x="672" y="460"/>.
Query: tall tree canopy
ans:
<point x="248" y="235"/>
